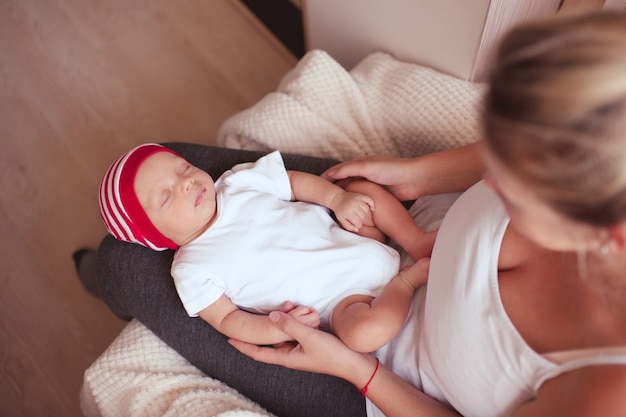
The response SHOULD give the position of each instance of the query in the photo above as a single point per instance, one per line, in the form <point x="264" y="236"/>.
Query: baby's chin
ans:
<point x="200" y="231"/>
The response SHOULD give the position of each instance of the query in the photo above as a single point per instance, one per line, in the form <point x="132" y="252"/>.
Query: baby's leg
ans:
<point x="390" y="218"/>
<point x="365" y="323"/>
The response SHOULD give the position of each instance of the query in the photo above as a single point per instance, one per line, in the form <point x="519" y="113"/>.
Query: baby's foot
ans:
<point x="422" y="247"/>
<point x="415" y="275"/>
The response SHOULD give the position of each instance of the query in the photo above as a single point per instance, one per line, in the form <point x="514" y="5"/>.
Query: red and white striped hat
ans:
<point x="121" y="211"/>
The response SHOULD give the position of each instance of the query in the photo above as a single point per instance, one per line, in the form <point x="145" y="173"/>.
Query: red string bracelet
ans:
<point x="364" y="389"/>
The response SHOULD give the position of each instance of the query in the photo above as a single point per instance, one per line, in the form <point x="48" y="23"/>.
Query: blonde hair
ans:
<point x="555" y="113"/>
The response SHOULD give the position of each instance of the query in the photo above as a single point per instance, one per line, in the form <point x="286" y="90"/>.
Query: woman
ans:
<point x="527" y="274"/>
<point x="525" y="314"/>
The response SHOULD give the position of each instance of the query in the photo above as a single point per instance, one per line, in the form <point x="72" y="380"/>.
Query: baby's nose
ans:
<point x="189" y="182"/>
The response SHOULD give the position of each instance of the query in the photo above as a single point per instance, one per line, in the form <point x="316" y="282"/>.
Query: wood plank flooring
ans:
<point x="81" y="81"/>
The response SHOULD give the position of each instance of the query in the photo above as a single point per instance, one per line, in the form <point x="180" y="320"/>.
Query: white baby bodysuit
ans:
<point x="263" y="249"/>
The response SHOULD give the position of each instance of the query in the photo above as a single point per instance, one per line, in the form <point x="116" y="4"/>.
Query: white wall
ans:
<point x="448" y="35"/>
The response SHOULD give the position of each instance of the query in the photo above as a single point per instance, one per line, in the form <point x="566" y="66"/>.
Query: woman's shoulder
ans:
<point x="515" y="250"/>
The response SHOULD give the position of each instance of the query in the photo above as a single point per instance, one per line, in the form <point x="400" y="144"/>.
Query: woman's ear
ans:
<point x="616" y="239"/>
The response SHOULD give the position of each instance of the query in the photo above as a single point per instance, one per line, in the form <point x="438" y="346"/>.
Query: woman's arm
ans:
<point x="408" y="178"/>
<point x="321" y="352"/>
<point x="229" y="320"/>
<point x="395" y="397"/>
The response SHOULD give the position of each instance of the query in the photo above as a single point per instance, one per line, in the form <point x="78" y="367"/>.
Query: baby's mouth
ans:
<point x="200" y="196"/>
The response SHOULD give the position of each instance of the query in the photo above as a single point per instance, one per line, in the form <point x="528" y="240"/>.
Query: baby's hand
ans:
<point x="306" y="315"/>
<point x="351" y="210"/>
<point x="303" y="314"/>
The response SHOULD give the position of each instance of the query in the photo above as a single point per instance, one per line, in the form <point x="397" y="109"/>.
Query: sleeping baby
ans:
<point x="262" y="238"/>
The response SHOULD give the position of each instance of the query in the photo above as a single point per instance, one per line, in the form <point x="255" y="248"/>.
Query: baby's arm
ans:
<point x="355" y="211"/>
<point x="229" y="320"/>
<point x="350" y="208"/>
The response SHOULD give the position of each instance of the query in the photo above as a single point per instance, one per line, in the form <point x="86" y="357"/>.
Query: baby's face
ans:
<point x="178" y="198"/>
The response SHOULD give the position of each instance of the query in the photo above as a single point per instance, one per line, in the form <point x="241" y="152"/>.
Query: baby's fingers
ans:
<point x="306" y="315"/>
<point x="287" y="307"/>
<point x="369" y="201"/>
<point x="350" y="224"/>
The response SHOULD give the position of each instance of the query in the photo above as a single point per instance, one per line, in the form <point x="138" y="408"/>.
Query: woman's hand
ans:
<point x="409" y="178"/>
<point x="321" y="352"/>
<point x="316" y="351"/>
<point x="396" y="174"/>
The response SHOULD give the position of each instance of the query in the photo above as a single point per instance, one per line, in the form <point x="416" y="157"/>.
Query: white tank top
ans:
<point x="458" y="345"/>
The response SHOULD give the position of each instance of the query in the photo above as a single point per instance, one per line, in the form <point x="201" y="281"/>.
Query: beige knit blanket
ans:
<point x="382" y="106"/>
<point x="140" y="376"/>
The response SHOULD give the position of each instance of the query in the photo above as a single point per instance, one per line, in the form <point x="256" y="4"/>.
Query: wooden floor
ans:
<point x="81" y="81"/>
